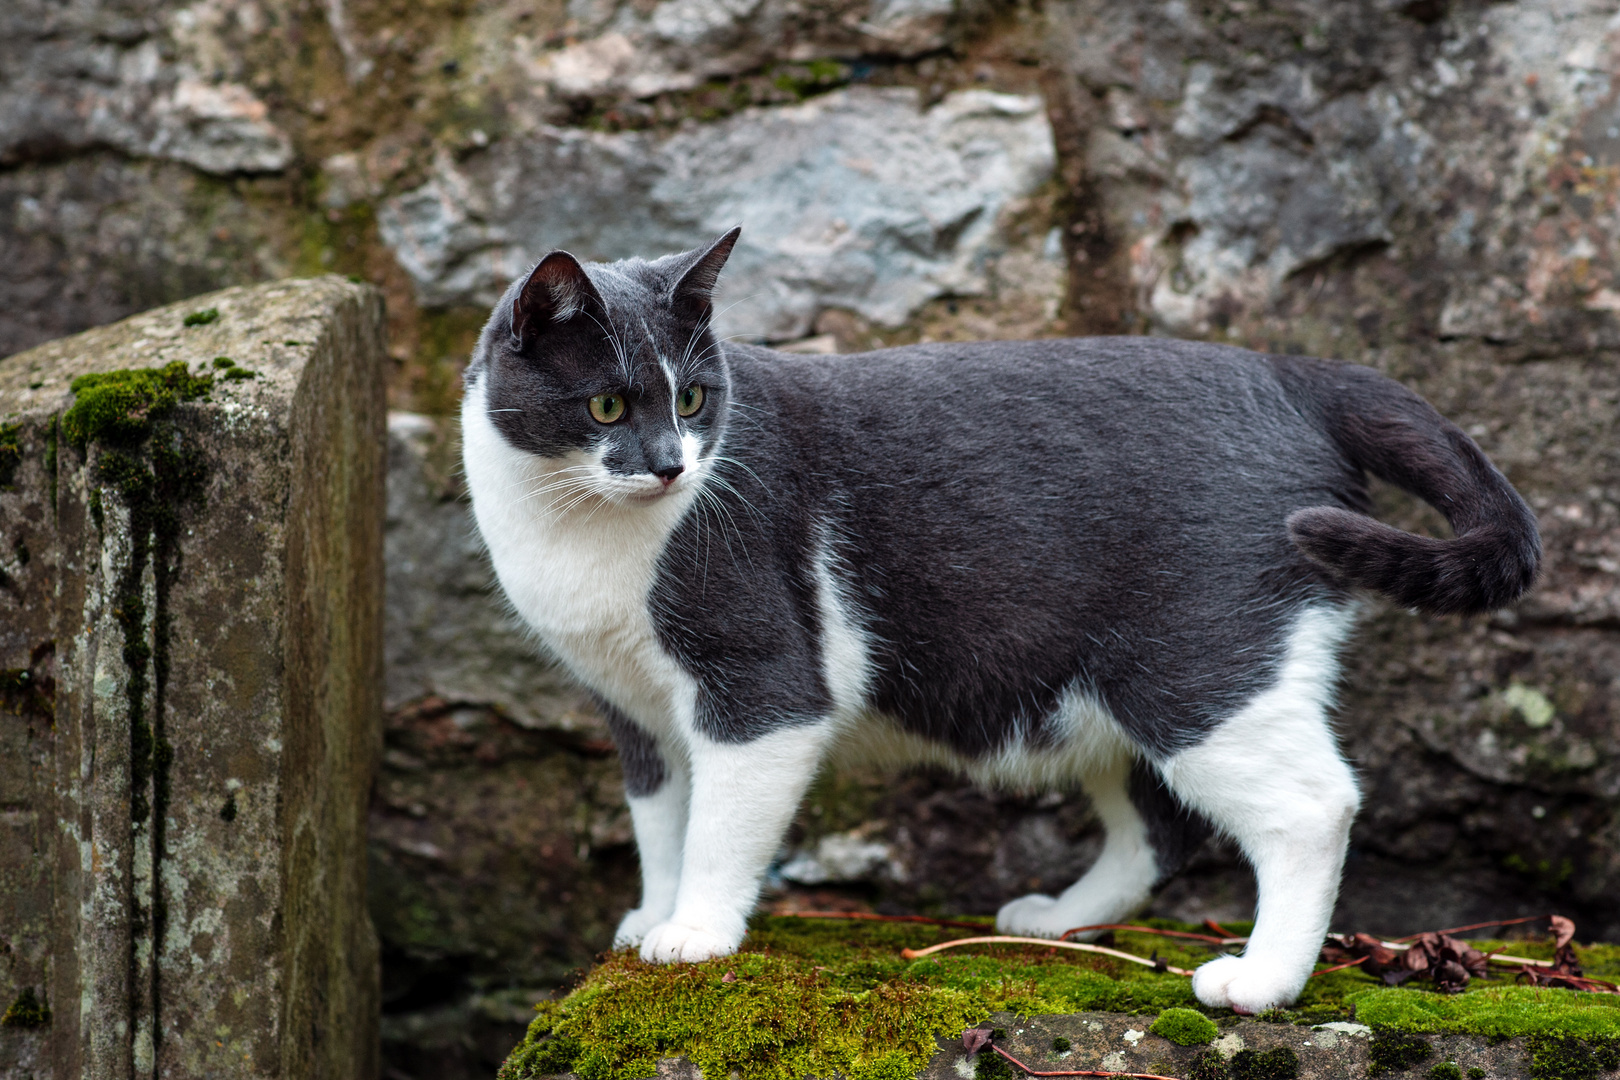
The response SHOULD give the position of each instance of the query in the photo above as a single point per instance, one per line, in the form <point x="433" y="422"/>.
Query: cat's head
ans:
<point x="610" y="371"/>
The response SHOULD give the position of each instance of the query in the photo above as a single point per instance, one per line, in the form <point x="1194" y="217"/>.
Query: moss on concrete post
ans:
<point x="190" y="680"/>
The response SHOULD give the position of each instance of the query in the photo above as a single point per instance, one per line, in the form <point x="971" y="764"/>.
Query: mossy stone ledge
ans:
<point x="190" y="655"/>
<point x="829" y="998"/>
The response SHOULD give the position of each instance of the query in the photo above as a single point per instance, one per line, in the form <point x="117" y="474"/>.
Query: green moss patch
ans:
<point x="818" y="997"/>
<point x="1499" y="1009"/>
<point x="201" y="318"/>
<point x="10" y="453"/>
<point x="28" y="1011"/>
<point x="1185" y="1027"/>
<point x="1210" y="1065"/>
<point x="813" y="997"/>
<point x="119" y="406"/>
<point x="775" y="1018"/>
<point x="1554" y="1058"/>
<point x="1279" y="1063"/>
<point x="151" y="462"/>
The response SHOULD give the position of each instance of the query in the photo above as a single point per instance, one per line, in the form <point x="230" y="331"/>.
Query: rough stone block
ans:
<point x="191" y="638"/>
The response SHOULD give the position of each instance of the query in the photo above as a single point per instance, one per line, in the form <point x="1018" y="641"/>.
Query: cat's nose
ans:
<point x="668" y="473"/>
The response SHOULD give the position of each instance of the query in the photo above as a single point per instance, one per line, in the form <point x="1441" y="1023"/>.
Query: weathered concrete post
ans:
<point x="191" y="512"/>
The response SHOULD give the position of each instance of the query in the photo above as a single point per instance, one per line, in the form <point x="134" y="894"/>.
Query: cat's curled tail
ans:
<point x="1385" y="429"/>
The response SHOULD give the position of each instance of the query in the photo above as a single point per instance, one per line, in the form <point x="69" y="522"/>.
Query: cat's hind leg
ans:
<point x="1271" y="777"/>
<point x="1149" y="836"/>
<point x="657" y="787"/>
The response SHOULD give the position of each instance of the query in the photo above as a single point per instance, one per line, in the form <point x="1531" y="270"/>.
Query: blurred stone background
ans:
<point x="1431" y="187"/>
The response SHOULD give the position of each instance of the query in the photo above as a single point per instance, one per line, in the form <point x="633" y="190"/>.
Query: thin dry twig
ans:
<point x="1399" y="945"/>
<point x="1338" y="967"/>
<point x="1078" y="946"/>
<point x="1155" y="930"/>
<point x="1476" y="926"/>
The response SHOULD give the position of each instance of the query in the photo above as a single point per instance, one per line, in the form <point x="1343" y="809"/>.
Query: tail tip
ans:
<point x="1481" y="571"/>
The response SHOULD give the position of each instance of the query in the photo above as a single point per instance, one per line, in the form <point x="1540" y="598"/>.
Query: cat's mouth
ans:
<point x="651" y="494"/>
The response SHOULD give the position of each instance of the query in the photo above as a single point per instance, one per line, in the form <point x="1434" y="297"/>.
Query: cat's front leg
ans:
<point x="659" y="819"/>
<point x="656" y="786"/>
<point x="744" y="795"/>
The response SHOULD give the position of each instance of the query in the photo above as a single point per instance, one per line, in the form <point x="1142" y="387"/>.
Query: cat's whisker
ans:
<point x="532" y="477"/>
<point x="728" y="460"/>
<point x="721" y="508"/>
<point x="543" y="484"/>
<point x="702" y="328"/>
<point x="563" y="486"/>
<point x="748" y="506"/>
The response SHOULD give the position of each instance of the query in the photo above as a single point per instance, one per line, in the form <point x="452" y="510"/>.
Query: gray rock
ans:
<point x="1256" y="150"/>
<point x="93" y="238"/>
<point x="843" y="858"/>
<point x="196" y="628"/>
<point x="134" y="77"/>
<point x="641" y="49"/>
<point x="856" y="199"/>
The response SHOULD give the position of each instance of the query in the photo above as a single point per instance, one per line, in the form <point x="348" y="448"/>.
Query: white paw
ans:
<point x="1247" y="984"/>
<point x="634" y="926"/>
<point x="673" y="943"/>
<point x="1031" y="916"/>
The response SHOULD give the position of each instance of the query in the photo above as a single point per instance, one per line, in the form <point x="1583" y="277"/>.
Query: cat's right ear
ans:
<point x="557" y="290"/>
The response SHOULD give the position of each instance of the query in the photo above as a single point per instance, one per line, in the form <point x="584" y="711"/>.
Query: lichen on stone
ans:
<point x="1185" y="1027"/>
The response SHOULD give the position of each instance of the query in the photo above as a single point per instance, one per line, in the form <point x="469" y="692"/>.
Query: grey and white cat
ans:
<point x="1122" y="564"/>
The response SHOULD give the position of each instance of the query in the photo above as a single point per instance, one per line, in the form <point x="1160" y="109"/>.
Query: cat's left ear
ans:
<point x="695" y="288"/>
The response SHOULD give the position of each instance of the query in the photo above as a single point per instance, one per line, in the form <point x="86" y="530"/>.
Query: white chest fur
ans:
<point x="578" y="568"/>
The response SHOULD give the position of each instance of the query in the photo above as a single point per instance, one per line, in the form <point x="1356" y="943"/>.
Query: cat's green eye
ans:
<point x="606" y="408"/>
<point x="690" y="400"/>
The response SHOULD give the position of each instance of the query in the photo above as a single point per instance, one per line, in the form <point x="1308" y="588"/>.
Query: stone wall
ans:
<point x="1428" y="186"/>
<point x="190" y="631"/>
